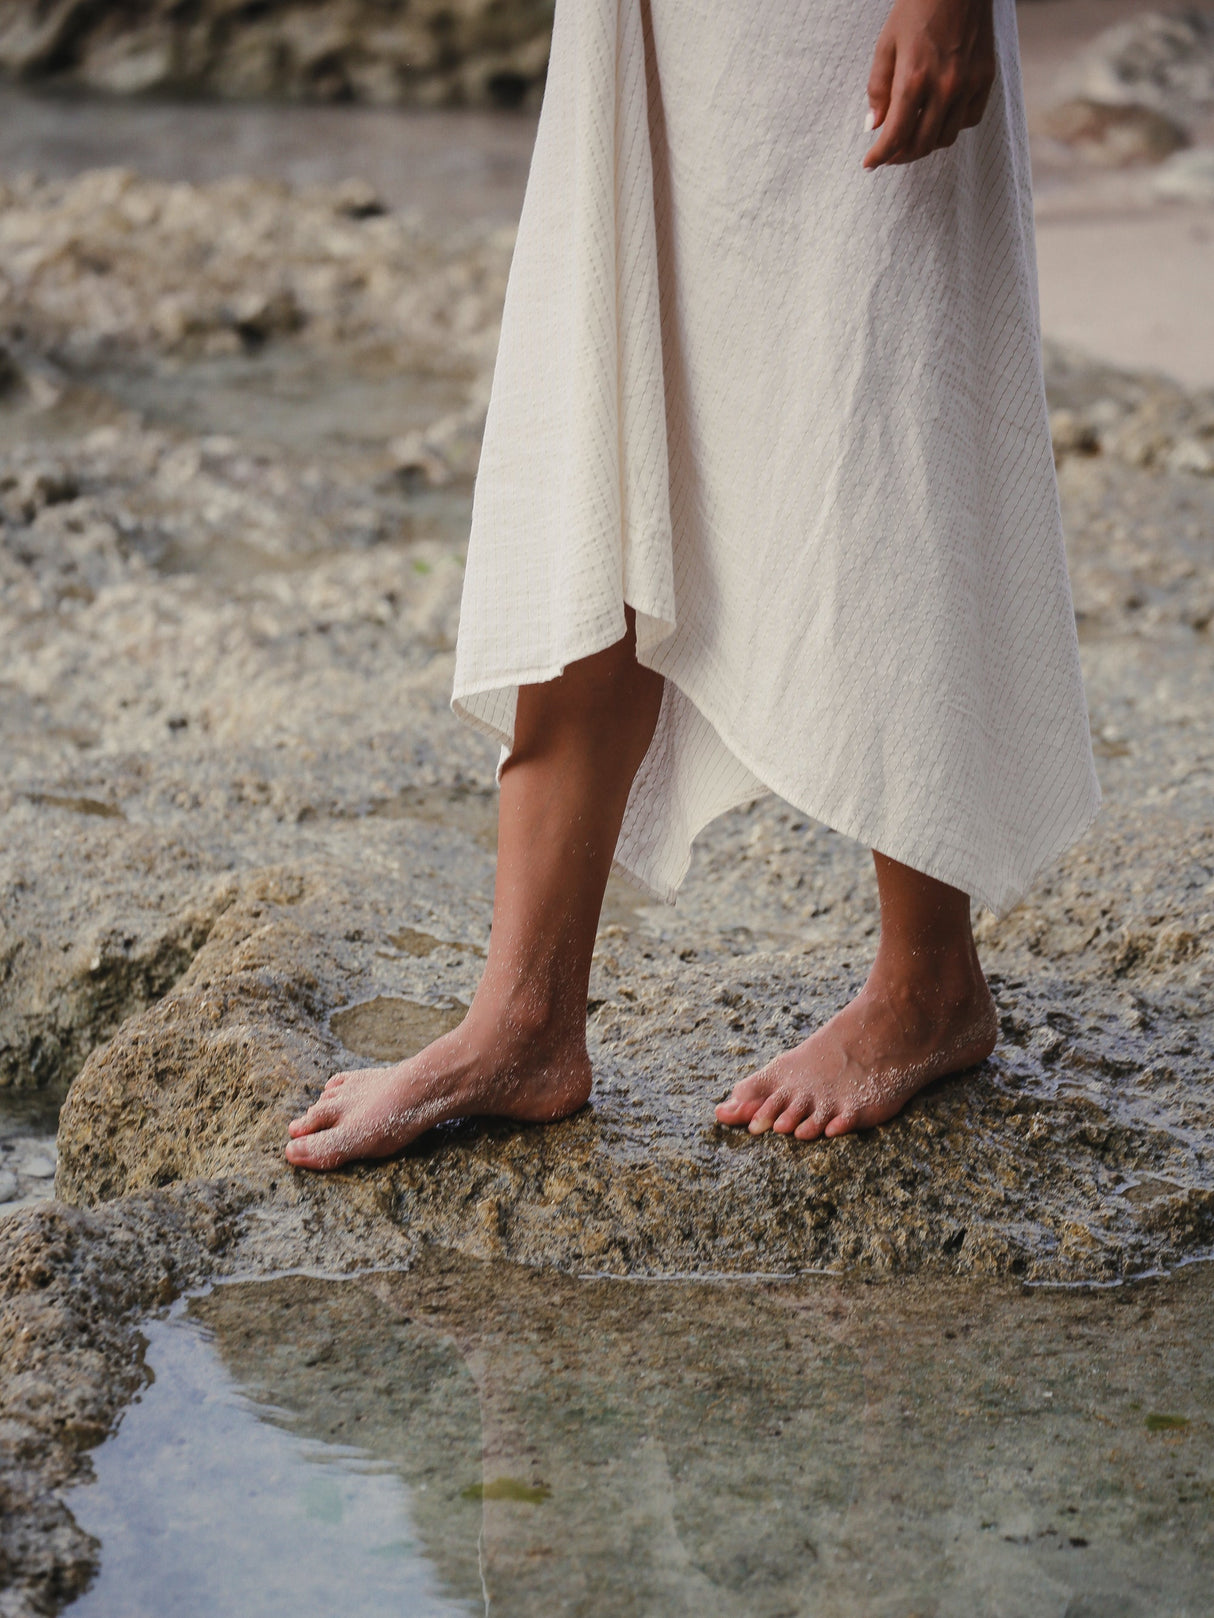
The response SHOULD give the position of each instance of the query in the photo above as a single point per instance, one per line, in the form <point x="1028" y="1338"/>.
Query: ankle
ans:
<point x="528" y="1014"/>
<point x="930" y="985"/>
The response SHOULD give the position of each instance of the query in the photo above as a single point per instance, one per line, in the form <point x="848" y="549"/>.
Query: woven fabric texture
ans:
<point x="792" y="413"/>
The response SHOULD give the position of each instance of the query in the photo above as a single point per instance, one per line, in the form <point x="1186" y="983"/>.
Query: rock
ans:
<point x="447" y="450"/>
<point x="84" y="527"/>
<point x="11" y="375"/>
<point x="66" y="992"/>
<point x="1187" y="177"/>
<point x="463" y="51"/>
<point x="1118" y="135"/>
<point x="1137" y="419"/>
<point x="9" y="1188"/>
<point x="236" y="785"/>
<point x="358" y="200"/>
<point x="644" y="1181"/>
<point x="1192" y="455"/>
<point x="37" y="1165"/>
<point x="108" y="268"/>
<point x="1146" y="421"/>
<point x="258" y="315"/>
<point x="72" y="1289"/>
<point x="1163" y="61"/>
<point x="1072" y="434"/>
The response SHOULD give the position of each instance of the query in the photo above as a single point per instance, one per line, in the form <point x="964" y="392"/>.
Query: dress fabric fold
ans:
<point x="792" y="414"/>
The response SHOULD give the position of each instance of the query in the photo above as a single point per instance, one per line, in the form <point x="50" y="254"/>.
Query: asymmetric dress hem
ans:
<point x="793" y="414"/>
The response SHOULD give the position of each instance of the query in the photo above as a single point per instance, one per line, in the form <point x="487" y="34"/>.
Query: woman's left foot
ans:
<point x="866" y="1063"/>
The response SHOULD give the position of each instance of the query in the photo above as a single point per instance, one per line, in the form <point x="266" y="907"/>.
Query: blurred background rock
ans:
<point x="383" y="52"/>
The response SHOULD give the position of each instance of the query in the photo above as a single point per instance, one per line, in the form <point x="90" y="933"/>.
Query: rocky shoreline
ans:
<point x="457" y="53"/>
<point x="244" y="841"/>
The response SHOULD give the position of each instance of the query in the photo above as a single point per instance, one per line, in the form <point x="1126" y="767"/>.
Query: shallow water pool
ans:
<point x="468" y="1438"/>
<point x="207" y="1502"/>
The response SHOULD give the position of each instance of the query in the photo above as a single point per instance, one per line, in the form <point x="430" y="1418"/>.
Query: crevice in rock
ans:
<point x="60" y="1001"/>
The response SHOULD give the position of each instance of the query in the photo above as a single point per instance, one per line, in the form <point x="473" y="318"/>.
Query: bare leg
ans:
<point x="521" y="1050"/>
<point x="925" y="1011"/>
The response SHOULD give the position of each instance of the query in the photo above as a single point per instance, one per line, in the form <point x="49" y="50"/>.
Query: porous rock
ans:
<point x="1024" y="1167"/>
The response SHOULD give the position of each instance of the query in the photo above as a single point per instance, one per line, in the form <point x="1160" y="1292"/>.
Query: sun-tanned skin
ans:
<point x="925" y="1010"/>
<point x="521" y="1050"/>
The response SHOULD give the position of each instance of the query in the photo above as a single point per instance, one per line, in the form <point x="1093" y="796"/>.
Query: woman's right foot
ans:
<point x="483" y="1068"/>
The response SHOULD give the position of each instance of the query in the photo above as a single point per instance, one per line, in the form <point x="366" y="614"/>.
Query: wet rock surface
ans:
<point x="400" y="53"/>
<point x="72" y="1287"/>
<point x="241" y="802"/>
<point x="245" y="843"/>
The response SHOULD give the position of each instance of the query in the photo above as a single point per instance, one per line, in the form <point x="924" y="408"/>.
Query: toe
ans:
<point x="302" y="1124"/>
<point x="323" y="1151"/>
<point x="809" y="1128"/>
<point x="737" y="1109"/>
<point x="767" y="1112"/>
<point x="745" y="1100"/>
<point x="322" y="1115"/>
<point x="843" y="1123"/>
<point x="793" y="1114"/>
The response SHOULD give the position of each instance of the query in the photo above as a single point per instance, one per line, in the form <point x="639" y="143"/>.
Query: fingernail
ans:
<point x="870" y="121"/>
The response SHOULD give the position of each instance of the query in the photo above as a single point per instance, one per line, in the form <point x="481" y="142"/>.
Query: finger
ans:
<point x="975" y="107"/>
<point x="927" y="132"/>
<point x="951" y="127"/>
<point x="881" y="79"/>
<point x="956" y="107"/>
<point x="898" y="131"/>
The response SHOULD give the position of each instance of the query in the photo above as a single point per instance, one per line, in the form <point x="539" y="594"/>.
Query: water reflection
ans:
<point x="521" y="1443"/>
<point x="208" y="1504"/>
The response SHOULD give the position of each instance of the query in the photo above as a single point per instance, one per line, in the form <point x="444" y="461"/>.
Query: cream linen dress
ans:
<point x="792" y="413"/>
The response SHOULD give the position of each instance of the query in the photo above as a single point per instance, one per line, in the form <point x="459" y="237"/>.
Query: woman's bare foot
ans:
<point x="924" y="1012"/>
<point x="482" y="1068"/>
<point x="866" y="1063"/>
<point x="521" y="1050"/>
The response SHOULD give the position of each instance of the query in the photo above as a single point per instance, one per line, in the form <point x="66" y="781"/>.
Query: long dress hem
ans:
<point x="793" y="414"/>
<point x="944" y="866"/>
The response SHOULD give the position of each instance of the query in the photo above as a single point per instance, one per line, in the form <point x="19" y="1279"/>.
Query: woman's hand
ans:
<point x="932" y="73"/>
